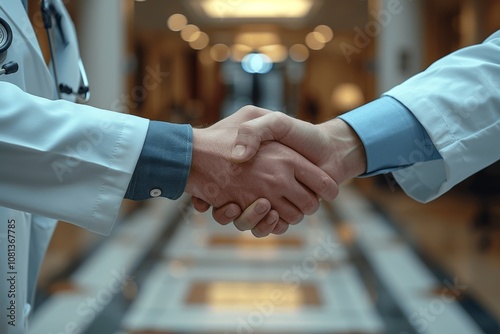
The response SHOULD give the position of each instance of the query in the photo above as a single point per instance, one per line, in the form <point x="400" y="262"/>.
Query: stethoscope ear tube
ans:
<point x="5" y="38"/>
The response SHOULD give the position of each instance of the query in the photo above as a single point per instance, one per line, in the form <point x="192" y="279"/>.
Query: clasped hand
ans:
<point x="275" y="167"/>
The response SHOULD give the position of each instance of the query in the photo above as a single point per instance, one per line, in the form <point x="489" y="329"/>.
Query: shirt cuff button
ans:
<point x="155" y="192"/>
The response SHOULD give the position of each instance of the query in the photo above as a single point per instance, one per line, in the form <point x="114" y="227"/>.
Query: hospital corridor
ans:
<point x="374" y="260"/>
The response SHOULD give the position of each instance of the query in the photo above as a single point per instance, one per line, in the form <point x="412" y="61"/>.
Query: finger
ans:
<point x="266" y="225"/>
<point x="253" y="215"/>
<point x="316" y="180"/>
<point x="272" y="126"/>
<point x="199" y="204"/>
<point x="280" y="228"/>
<point x="303" y="198"/>
<point x="244" y="114"/>
<point x="287" y="211"/>
<point x="226" y="214"/>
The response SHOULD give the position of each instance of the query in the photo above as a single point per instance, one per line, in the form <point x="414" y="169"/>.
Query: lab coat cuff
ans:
<point x="391" y="135"/>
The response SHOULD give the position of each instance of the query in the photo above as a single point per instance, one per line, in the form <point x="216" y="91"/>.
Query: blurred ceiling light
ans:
<point x="176" y="22"/>
<point x="220" y="52"/>
<point x="299" y="53"/>
<point x="256" y="8"/>
<point x="205" y="58"/>
<point x="313" y="41"/>
<point x="257" y="63"/>
<point x="239" y="51"/>
<point x="200" y="42"/>
<point x="347" y="96"/>
<point x="277" y="52"/>
<point x="257" y="39"/>
<point x="190" y="32"/>
<point x="325" y="33"/>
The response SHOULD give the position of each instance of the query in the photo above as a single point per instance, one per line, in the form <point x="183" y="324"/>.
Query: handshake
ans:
<point x="265" y="170"/>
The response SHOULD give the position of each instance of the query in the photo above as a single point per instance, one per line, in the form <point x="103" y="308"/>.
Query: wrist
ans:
<point x="209" y="165"/>
<point x="346" y="149"/>
<point x="193" y="184"/>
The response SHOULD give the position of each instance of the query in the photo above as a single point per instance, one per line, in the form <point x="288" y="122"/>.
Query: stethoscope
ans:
<point x="50" y="15"/>
<point x="5" y="42"/>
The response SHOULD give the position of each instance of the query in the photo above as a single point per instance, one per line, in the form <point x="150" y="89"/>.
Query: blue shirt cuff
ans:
<point x="164" y="163"/>
<point x="393" y="138"/>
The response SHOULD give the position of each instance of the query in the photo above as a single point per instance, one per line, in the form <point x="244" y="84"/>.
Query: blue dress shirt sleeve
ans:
<point x="393" y="138"/>
<point x="164" y="163"/>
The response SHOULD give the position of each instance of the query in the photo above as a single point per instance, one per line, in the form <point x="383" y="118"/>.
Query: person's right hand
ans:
<point x="333" y="146"/>
<point x="291" y="183"/>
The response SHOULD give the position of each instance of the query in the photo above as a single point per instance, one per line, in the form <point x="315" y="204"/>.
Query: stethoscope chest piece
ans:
<point x="5" y="38"/>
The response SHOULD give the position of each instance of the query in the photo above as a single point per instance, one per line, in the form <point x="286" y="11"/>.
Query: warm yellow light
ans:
<point x="190" y="32"/>
<point x="220" y="52"/>
<point x="347" y="96"/>
<point x="239" y="51"/>
<point x="313" y="41"/>
<point x="299" y="53"/>
<point x="200" y="42"/>
<point x="277" y="52"/>
<point x="325" y="33"/>
<point x="256" y="40"/>
<point x="176" y="22"/>
<point x="257" y="8"/>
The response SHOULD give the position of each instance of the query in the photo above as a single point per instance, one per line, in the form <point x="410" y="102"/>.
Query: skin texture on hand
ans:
<point x="333" y="146"/>
<point x="277" y="173"/>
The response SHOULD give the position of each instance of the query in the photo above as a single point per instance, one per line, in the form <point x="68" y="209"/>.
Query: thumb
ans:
<point x="251" y="134"/>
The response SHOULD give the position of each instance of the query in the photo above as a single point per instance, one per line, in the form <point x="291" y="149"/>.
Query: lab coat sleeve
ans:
<point x="457" y="101"/>
<point x="64" y="160"/>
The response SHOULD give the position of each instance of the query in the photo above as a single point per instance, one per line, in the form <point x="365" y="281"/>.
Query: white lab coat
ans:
<point x="58" y="159"/>
<point x="457" y="100"/>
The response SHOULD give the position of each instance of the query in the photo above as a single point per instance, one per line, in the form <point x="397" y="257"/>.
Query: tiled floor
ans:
<point x="443" y="231"/>
<point x="347" y="269"/>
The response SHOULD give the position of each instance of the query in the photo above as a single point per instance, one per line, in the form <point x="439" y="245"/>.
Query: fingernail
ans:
<point x="239" y="150"/>
<point x="271" y="219"/>
<point x="260" y="208"/>
<point x="230" y="213"/>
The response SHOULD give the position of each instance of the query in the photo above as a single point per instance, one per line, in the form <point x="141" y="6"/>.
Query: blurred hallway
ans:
<point x="347" y="269"/>
<point x="373" y="261"/>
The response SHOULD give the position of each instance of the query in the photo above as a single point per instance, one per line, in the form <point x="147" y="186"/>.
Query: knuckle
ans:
<point x="252" y="111"/>
<point x="245" y="128"/>
<point x="279" y="123"/>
